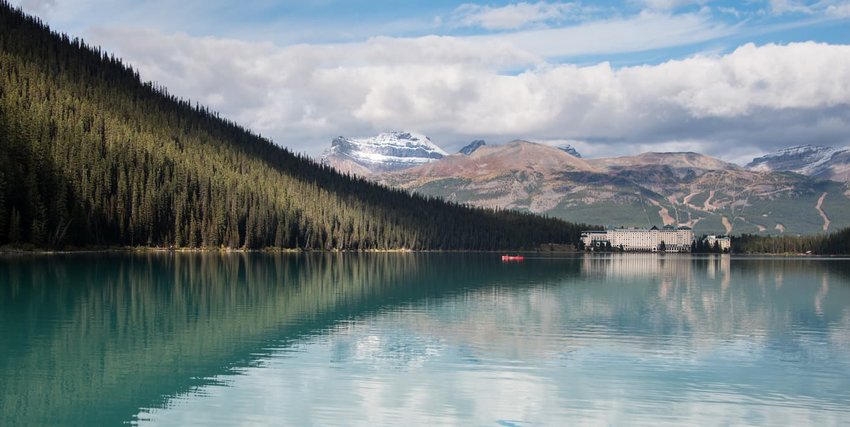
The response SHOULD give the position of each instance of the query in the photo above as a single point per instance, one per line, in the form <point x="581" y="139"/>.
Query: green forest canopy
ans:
<point x="91" y="155"/>
<point x="833" y="243"/>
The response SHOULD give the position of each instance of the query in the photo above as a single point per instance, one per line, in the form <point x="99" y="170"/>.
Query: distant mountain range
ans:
<point x="687" y="189"/>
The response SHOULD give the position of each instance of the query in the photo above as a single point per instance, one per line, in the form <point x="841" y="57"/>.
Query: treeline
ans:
<point x="91" y="155"/>
<point x="837" y="243"/>
<point x="700" y="245"/>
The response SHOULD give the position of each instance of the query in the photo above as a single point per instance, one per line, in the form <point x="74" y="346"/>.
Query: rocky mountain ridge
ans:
<point x="686" y="189"/>
<point x="472" y="146"/>
<point x="569" y="149"/>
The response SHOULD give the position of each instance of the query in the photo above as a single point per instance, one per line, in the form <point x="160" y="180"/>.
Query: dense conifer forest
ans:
<point x="92" y="156"/>
<point x="829" y="244"/>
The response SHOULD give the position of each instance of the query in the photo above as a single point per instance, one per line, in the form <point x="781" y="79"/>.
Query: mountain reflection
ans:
<point x="647" y="300"/>
<point x="94" y="338"/>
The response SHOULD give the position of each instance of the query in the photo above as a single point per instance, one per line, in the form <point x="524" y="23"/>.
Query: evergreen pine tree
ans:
<point x="15" y="227"/>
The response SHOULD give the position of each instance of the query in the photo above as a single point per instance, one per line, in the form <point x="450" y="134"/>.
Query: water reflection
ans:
<point x="99" y="336"/>
<point x="393" y="338"/>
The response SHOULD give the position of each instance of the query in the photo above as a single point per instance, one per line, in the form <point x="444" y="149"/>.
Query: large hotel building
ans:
<point x="675" y="239"/>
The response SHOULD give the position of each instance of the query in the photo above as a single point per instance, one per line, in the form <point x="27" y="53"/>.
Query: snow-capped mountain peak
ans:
<point x="808" y="160"/>
<point x="384" y="152"/>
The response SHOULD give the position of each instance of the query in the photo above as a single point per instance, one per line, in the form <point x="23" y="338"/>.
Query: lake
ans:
<point x="398" y="339"/>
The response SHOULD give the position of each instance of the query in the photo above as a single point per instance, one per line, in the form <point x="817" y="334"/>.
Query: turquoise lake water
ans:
<point x="437" y="339"/>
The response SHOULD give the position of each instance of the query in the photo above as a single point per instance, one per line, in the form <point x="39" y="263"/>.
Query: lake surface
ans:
<point x="396" y="339"/>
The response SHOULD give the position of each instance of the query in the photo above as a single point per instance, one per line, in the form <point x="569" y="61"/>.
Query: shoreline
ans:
<point x="7" y="252"/>
<point x="152" y="249"/>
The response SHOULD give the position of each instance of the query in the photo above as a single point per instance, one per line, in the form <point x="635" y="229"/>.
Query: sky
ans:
<point x="731" y="79"/>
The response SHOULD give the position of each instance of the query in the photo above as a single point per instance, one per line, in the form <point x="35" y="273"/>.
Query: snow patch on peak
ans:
<point x="803" y="159"/>
<point x="384" y="152"/>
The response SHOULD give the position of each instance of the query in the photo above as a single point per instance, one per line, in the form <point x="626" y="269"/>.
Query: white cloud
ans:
<point x="834" y="8"/>
<point x="753" y="99"/>
<point x="642" y="32"/>
<point x="671" y="4"/>
<point x="752" y="78"/>
<point x="839" y="9"/>
<point x="789" y="6"/>
<point x="730" y="11"/>
<point x="512" y="16"/>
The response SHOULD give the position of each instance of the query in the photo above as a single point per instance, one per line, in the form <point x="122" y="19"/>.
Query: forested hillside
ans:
<point x="91" y="155"/>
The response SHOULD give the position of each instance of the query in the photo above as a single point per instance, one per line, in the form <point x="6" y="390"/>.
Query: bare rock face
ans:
<point x="569" y="149"/>
<point x="472" y="146"/>
<point x="385" y="152"/>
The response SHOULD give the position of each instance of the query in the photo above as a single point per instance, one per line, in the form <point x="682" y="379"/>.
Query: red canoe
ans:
<point x="512" y="257"/>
